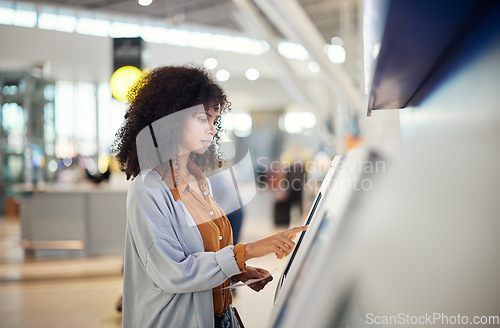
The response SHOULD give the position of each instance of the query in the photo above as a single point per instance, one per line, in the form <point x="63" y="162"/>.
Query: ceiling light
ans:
<point x="127" y="30"/>
<point x="154" y="34"/>
<point x="313" y="66"/>
<point x="7" y="15"/>
<point x="336" y="53"/>
<point x="210" y="63"/>
<point x="239" y="123"/>
<point x="25" y="18"/>
<point x="252" y="74"/>
<point x="292" y="50"/>
<point x="222" y="75"/>
<point x="97" y="27"/>
<point x="145" y="2"/>
<point x="336" y="40"/>
<point x="297" y="122"/>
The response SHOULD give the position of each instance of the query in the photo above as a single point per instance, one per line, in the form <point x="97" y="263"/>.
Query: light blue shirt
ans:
<point x="168" y="277"/>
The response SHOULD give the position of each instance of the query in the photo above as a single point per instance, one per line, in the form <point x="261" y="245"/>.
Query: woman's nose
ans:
<point x="212" y="128"/>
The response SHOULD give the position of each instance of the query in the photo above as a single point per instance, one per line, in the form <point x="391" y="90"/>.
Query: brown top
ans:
<point x="212" y="223"/>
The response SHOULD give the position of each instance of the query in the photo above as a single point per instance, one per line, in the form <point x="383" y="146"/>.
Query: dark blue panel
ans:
<point x="419" y="37"/>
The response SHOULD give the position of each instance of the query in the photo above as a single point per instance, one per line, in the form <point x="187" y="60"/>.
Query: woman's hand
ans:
<point x="280" y="244"/>
<point x="254" y="273"/>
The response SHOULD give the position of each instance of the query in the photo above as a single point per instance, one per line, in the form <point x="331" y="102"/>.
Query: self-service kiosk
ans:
<point x="420" y="250"/>
<point x="350" y="178"/>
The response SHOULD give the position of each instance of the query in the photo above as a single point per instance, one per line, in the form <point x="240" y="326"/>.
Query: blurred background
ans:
<point x="300" y="75"/>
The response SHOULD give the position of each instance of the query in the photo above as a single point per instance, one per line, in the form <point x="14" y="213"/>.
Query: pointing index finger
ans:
<point x="295" y="230"/>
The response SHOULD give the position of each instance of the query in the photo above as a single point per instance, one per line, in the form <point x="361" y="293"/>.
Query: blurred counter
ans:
<point x="72" y="220"/>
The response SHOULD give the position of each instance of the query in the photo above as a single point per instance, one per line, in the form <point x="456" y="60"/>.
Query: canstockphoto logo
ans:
<point x="232" y="186"/>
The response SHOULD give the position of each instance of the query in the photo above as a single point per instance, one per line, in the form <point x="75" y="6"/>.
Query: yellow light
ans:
<point x="121" y="81"/>
<point x="103" y="162"/>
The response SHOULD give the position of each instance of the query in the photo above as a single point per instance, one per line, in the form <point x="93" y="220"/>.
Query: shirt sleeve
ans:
<point x="239" y="255"/>
<point x="164" y="257"/>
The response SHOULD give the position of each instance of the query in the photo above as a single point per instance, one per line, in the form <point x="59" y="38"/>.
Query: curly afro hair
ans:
<point x="163" y="91"/>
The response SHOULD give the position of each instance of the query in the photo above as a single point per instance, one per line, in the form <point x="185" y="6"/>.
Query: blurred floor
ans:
<point x="83" y="292"/>
<point x="76" y="302"/>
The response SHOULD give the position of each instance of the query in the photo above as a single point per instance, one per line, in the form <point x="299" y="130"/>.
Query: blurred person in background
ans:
<point x="296" y="180"/>
<point x="175" y="271"/>
<point x="278" y="185"/>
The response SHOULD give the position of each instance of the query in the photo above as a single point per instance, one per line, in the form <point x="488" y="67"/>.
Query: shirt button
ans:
<point x="211" y="212"/>
<point x="220" y="237"/>
<point x="205" y="192"/>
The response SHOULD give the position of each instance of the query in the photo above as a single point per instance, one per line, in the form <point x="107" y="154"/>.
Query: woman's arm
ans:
<point x="280" y="244"/>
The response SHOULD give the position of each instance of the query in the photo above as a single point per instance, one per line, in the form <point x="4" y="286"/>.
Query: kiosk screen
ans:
<point x="320" y="240"/>
<point x="297" y="245"/>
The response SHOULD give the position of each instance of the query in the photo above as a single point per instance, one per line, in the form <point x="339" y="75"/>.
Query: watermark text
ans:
<point x="431" y="319"/>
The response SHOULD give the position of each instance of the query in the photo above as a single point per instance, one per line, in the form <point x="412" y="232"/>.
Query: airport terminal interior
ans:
<point x="374" y="122"/>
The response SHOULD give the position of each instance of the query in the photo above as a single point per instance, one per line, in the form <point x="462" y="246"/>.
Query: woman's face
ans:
<point x="199" y="131"/>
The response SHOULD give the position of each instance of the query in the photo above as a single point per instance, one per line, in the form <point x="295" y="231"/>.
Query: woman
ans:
<point x="179" y="255"/>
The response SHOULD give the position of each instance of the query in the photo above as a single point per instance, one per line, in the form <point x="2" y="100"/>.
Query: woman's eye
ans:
<point x="202" y="119"/>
